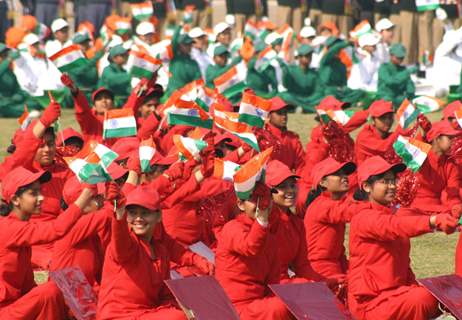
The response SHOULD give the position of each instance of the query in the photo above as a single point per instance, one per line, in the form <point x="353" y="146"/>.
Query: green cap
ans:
<point x="304" y="49"/>
<point x="330" y="41"/>
<point x="277" y="42"/>
<point x="185" y="39"/>
<point x="260" y="46"/>
<point x="80" y="38"/>
<point x="219" y="50"/>
<point x="117" y="50"/>
<point x="3" y="47"/>
<point x="398" y="50"/>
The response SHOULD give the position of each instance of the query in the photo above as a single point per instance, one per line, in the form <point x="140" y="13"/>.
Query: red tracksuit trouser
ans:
<point x="44" y="302"/>
<point x="271" y="308"/>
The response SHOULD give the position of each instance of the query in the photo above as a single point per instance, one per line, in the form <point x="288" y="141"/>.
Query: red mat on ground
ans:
<point x="204" y="297"/>
<point x="448" y="290"/>
<point x="311" y="300"/>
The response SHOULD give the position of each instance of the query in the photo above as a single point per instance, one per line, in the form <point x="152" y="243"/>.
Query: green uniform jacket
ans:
<point x="302" y="86"/>
<point x="116" y="79"/>
<point x="182" y="68"/>
<point x="12" y="97"/>
<point x="264" y="83"/>
<point x="86" y="76"/>
<point x="395" y="83"/>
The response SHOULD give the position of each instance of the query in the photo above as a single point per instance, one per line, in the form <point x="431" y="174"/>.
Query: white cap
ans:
<point x="273" y="36"/>
<point x="383" y="24"/>
<point x="59" y="24"/>
<point x="230" y="19"/>
<point x="220" y="27"/>
<point x="145" y="28"/>
<point x="307" y="32"/>
<point x="368" y="39"/>
<point x="30" y="39"/>
<point x="196" y="32"/>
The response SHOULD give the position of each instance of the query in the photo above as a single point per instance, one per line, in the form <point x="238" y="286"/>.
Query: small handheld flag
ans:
<point x="412" y="151"/>
<point x="406" y="114"/>
<point x="119" y="123"/>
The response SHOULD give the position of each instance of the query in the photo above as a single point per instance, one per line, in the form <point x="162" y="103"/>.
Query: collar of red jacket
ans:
<point x="244" y="219"/>
<point x="375" y="132"/>
<point x="381" y="208"/>
<point x="275" y="130"/>
<point x="328" y="195"/>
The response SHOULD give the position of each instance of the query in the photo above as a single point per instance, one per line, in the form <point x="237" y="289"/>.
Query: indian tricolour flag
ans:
<point x="166" y="52"/>
<point x="412" y="151"/>
<point x="232" y="81"/>
<point x="146" y="151"/>
<point x="119" y="123"/>
<point x="141" y="65"/>
<point x="188" y="148"/>
<point x="427" y="104"/>
<point x="188" y="113"/>
<point x="250" y="173"/>
<point x="142" y="11"/>
<point x="68" y="58"/>
<point x="287" y="34"/>
<point x="197" y="91"/>
<point x="264" y="58"/>
<point x="229" y="121"/>
<point x="361" y="29"/>
<point x="91" y="163"/>
<point x="424" y="5"/>
<point x="253" y="109"/>
<point x="224" y="169"/>
<point x="340" y="116"/>
<point x="123" y="26"/>
<point x="406" y="114"/>
<point x="251" y="29"/>
<point x="24" y="119"/>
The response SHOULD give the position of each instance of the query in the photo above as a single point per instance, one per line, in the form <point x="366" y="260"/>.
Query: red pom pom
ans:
<point x="341" y="146"/>
<point x="406" y="188"/>
<point x="456" y="150"/>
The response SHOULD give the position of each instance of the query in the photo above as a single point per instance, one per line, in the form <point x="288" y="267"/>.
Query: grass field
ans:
<point x="432" y="254"/>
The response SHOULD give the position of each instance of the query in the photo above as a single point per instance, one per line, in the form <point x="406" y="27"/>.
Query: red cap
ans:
<point x="276" y="173"/>
<point x="442" y="127"/>
<point x="380" y="107"/>
<point x="145" y="197"/>
<point x="329" y="166"/>
<point x="20" y="177"/>
<point x="125" y="146"/>
<point x="277" y="104"/>
<point x="116" y="171"/>
<point x="229" y="138"/>
<point x="98" y="91"/>
<point x="451" y="108"/>
<point x="377" y="165"/>
<point x="73" y="188"/>
<point x="330" y="103"/>
<point x="67" y="134"/>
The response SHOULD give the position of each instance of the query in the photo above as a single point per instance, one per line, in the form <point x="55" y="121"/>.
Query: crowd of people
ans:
<point x="184" y="138"/>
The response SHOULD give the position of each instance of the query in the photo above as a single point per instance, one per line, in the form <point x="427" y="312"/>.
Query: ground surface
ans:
<point x="432" y="254"/>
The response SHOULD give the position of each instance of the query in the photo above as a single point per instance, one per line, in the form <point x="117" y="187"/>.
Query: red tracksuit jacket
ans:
<point x="82" y="247"/>
<point x="379" y="254"/>
<point x="16" y="239"/>
<point x="246" y="260"/>
<point x="437" y="174"/>
<point x="132" y="282"/>
<point x="369" y="143"/>
<point x="325" y="221"/>
<point x="289" y="232"/>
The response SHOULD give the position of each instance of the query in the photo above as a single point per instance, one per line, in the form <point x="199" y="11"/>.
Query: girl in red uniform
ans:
<point x="20" y="297"/>
<point x="247" y="260"/>
<point x="326" y="217"/>
<point x="381" y="284"/>
<point x="287" y="227"/>
<point x="135" y="265"/>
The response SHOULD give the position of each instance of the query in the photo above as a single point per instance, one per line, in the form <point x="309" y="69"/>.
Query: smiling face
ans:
<point x="103" y="102"/>
<point x="286" y="193"/>
<point x="336" y="182"/>
<point x="142" y="221"/>
<point x="383" y="190"/>
<point x="28" y="201"/>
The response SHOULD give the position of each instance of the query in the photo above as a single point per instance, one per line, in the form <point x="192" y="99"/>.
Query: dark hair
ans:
<point x="50" y="130"/>
<point x="313" y="194"/>
<point x="362" y="195"/>
<point x="5" y="208"/>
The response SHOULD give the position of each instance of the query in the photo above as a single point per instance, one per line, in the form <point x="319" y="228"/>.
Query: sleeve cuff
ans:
<point x="262" y="223"/>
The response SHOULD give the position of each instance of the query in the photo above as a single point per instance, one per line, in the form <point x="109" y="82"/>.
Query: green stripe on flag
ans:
<point x="412" y="117"/>
<point x="145" y="165"/>
<point x="408" y="158"/>
<point x="140" y="72"/>
<point x="93" y="173"/>
<point x="119" y="133"/>
<point x="74" y="65"/>
<point x="244" y="195"/>
<point x="202" y="104"/>
<point x="174" y="119"/>
<point x="234" y="90"/>
<point x="251" y="120"/>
